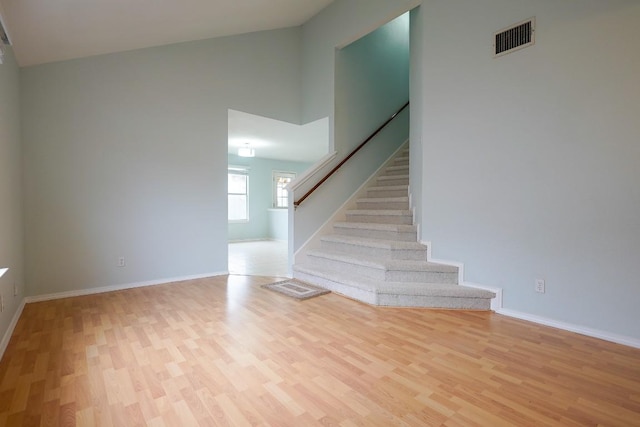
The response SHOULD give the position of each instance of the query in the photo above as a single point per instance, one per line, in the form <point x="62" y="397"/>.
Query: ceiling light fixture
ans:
<point x="246" y="151"/>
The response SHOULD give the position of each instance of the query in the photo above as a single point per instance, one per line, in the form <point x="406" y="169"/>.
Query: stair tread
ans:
<point x="374" y="243"/>
<point x="396" y="288"/>
<point x="405" y="228"/>
<point x="383" y="199"/>
<point x="359" y="259"/>
<point x="384" y="264"/>
<point x="391" y="177"/>
<point x="380" y="212"/>
<point x="389" y="187"/>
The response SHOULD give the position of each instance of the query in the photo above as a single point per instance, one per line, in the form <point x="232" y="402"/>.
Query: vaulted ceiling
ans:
<point x="53" y="30"/>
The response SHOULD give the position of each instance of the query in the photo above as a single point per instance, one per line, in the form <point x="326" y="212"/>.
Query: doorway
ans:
<point x="264" y="155"/>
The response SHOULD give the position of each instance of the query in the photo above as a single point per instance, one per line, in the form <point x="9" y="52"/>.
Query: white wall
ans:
<point x="126" y="155"/>
<point x="531" y="161"/>
<point x="11" y="230"/>
<point x="415" y="133"/>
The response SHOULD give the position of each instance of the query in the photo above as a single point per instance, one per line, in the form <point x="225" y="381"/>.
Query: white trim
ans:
<point x="496" y="302"/>
<point x="14" y="321"/>
<point x="496" y="306"/>
<point x="582" y="330"/>
<point x="59" y="295"/>
<point x="274" y="187"/>
<point x="91" y="291"/>
<point x="306" y="175"/>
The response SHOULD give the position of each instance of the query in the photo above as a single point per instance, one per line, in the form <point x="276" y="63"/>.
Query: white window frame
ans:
<point x="238" y="170"/>
<point x="275" y="175"/>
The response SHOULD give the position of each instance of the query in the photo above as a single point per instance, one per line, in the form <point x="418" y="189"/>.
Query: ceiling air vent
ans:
<point x="515" y="37"/>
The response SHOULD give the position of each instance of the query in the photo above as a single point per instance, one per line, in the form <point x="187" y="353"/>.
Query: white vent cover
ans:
<point x="515" y="37"/>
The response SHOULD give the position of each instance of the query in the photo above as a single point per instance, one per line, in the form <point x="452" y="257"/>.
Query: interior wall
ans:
<point x="260" y="195"/>
<point x="340" y="23"/>
<point x="531" y="160"/>
<point x="370" y="77"/>
<point x="371" y="82"/>
<point x="126" y="155"/>
<point x="415" y="133"/>
<point x="11" y="227"/>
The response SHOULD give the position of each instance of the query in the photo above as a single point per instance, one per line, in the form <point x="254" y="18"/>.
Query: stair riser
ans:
<point x="381" y="274"/>
<point x="401" y="160"/>
<point x="375" y="205"/>
<point x="381" y="219"/>
<point x="365" y="296"/>
<point x="401" y="164"/>
<point x="336" y="265"/>
<point x="392" y="180"/>
<point x="397" y="300"/>
<point x="410" y="254"/>
<point x="376" y="234"/>
<point x="433" y="302"/>
<point x="387" y="193"/>
<point x="422" y="277"/>
<point x="404" y="170"/>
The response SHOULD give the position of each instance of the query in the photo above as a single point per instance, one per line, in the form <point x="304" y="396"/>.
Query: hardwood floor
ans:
<point x="223" y="351"/>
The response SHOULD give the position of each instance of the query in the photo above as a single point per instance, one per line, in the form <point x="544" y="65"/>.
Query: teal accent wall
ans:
<point x="372" y="82"/>
<point x="371" y="78"/>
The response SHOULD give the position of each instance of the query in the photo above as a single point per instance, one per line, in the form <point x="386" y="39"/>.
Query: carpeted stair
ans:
<point x="374" y="255"/>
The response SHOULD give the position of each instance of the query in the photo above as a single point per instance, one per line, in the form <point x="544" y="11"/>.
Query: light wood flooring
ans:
<point x="223" y="351"/>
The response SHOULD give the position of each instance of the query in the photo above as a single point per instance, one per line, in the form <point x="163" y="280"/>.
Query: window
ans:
<point x="280" y="194"/>
<point x="238" y="192"/>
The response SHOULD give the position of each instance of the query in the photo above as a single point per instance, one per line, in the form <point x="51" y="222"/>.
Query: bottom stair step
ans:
<point x="395" y="294"/>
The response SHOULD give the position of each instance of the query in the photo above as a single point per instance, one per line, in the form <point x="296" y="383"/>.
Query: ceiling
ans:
<point x="274" y="139"/>
<point x="54" y="30"/>
<point x="43" y="31"/>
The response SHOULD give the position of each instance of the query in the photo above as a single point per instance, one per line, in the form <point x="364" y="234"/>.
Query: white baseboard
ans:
<point x="59" y="295"/>
<point x="496" y="306"/>
<point x="582" y="330"/>
<point x="91" y="291"/>
<point x="14" y="321"/>
<point x="496" y="303"/>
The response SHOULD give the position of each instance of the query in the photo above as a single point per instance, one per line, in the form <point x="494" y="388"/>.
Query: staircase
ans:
<point x="374" y="255"/>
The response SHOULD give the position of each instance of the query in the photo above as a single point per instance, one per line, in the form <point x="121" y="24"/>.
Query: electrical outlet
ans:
<point x="121" y="262"/>
<point x="540" y="286"/>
